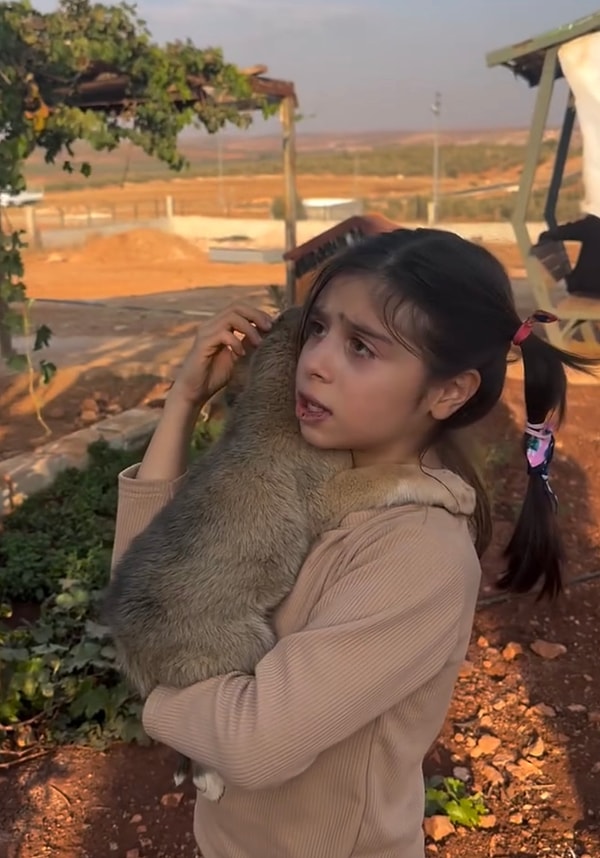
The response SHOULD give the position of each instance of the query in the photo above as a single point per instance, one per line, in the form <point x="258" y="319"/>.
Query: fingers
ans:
<point x="229" y="339"/>
<point x="244" y="318"/>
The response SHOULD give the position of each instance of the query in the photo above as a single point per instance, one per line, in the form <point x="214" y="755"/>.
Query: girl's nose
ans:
<point x="319" y="360"/>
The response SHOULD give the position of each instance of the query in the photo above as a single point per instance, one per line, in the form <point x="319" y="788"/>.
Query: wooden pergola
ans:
<point x="104" y="89"/>
<point x="536" y="61"/>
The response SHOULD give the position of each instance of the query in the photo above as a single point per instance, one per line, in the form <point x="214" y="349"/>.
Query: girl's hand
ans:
<point x="209" y="364"/>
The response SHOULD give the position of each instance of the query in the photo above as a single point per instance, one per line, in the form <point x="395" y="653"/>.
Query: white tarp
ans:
<point x="580" y="62"/>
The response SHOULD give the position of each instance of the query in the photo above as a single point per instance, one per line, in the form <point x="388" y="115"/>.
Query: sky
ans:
<point x="361" y="65"/>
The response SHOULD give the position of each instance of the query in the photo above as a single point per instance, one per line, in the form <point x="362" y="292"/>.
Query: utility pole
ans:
<point x="221" y="187"/>
<point x="436" y="109"/>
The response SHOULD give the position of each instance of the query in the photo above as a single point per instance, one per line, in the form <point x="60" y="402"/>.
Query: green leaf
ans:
<point x="47" y="371"/>
<point x="17" y="362"/>
<point x="10" y="654"/>
<point x="42" y="338"/>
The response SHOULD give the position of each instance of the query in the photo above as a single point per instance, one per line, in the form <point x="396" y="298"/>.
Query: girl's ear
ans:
<point x="451" y="395"/>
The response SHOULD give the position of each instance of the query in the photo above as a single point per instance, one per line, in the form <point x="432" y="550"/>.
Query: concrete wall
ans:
<point x="262" y="232"/>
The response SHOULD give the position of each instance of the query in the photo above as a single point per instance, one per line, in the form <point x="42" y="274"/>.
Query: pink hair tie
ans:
<point x="526" y="327"/>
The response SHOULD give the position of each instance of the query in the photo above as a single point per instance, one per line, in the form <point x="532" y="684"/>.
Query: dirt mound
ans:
<point x="138" y="246"/>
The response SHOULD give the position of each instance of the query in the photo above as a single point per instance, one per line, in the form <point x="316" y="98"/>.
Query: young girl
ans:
<point x="405" y="340"/>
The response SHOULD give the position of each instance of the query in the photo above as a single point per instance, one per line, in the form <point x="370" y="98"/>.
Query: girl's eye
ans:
<point x="360" y="349"/>
<point x="315" y="328"/>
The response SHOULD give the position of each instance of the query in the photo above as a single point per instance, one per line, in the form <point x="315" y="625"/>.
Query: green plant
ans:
<point x="450" y="797"/>
<point x="58" y="678"/>
<point x="63" y="531"/>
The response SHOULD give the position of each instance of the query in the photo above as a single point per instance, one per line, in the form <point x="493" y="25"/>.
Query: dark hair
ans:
<point x="458" y="313"/>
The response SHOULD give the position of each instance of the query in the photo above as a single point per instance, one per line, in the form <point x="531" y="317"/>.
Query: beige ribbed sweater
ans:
<point x="322" y="749"/>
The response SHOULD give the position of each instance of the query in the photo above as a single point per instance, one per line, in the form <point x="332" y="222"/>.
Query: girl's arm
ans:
<point x="146" y="488"/>
<point x="383" y="630"/>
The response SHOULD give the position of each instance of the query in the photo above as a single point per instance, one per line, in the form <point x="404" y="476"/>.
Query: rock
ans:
<point x="466" y="669"/>
<point x="547" y="649"/>
<point x="171" y="799"/>
<point x="511" y="651"/>
<point x="523" y="769"/>
<point x="594" y="717"/>
<point x="137" y="817"/>
<point x="113" y="408"/>
<point x="486" y="722"/>
<point x="496" y="669"/>
<point x="596" y="768"/>
<point x="89" y="404"/>
<point x="482" y="642"/>
<point x="114" y="847"/>
<point x="503" y="757"/>
<point x="88" y="416"/>
<point x="461" y="773"/>
<point x="498" y="705"/>
<point x="132" y="853"/>
<point x="537" y="749"/>
<point x="487" y="821"/>
<point x="542" y="709"/>
<point x="141" y="829"/>
<point x="491" y="775"/>
<point x="516" y="818"/>
<point x="486" y="746"/>
<point x="459" y="738"/>
<point x="577" y="708"/>
<point x="438" y="827"/>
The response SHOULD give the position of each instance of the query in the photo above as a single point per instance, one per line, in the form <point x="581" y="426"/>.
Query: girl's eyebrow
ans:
<point x="358" y="328"/>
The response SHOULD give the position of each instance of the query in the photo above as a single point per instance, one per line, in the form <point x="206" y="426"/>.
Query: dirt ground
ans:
<point x="523" y="728"/>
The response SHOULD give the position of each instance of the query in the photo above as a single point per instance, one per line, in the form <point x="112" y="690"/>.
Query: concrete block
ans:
<point x="23" y="475"/>
<point x="74" y="447"/>
<point x="130" y="429"/>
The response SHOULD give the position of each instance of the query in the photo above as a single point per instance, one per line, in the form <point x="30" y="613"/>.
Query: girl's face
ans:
<point x="358" y="388"/>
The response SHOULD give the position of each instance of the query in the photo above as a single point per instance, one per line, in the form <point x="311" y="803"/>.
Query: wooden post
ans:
<point x="288" y="125"/>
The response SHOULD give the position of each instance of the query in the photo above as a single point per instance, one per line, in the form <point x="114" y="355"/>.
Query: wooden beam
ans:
<point x="552" y="39"/>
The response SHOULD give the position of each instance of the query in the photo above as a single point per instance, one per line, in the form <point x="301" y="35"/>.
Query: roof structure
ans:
<point x="103" y="88"/>
<point x="526" y="59"/>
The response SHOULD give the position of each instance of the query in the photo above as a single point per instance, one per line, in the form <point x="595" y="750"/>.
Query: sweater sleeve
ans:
<point x="377" y="634"/>
<point x="138" y="501"/>
<point x="572" y="231"/>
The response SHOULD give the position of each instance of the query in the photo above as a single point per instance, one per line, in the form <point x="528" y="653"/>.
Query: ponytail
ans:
<point x="535" y="550"/>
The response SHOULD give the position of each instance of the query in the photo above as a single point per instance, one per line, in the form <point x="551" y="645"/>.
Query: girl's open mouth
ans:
<point x="309" y="410"/>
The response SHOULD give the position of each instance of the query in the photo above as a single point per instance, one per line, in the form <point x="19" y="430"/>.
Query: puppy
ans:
<point x="192" y="596"/>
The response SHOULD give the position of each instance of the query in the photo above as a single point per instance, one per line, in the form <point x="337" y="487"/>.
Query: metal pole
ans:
<point x="436" y="109"/>
<point x="288" y="125"/>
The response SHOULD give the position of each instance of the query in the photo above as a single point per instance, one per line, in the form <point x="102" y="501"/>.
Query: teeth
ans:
<point x="310" y="406"/>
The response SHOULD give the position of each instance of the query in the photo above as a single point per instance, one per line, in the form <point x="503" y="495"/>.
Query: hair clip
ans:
<point x="539" y="450"/>
<point x="526" y="327"/>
